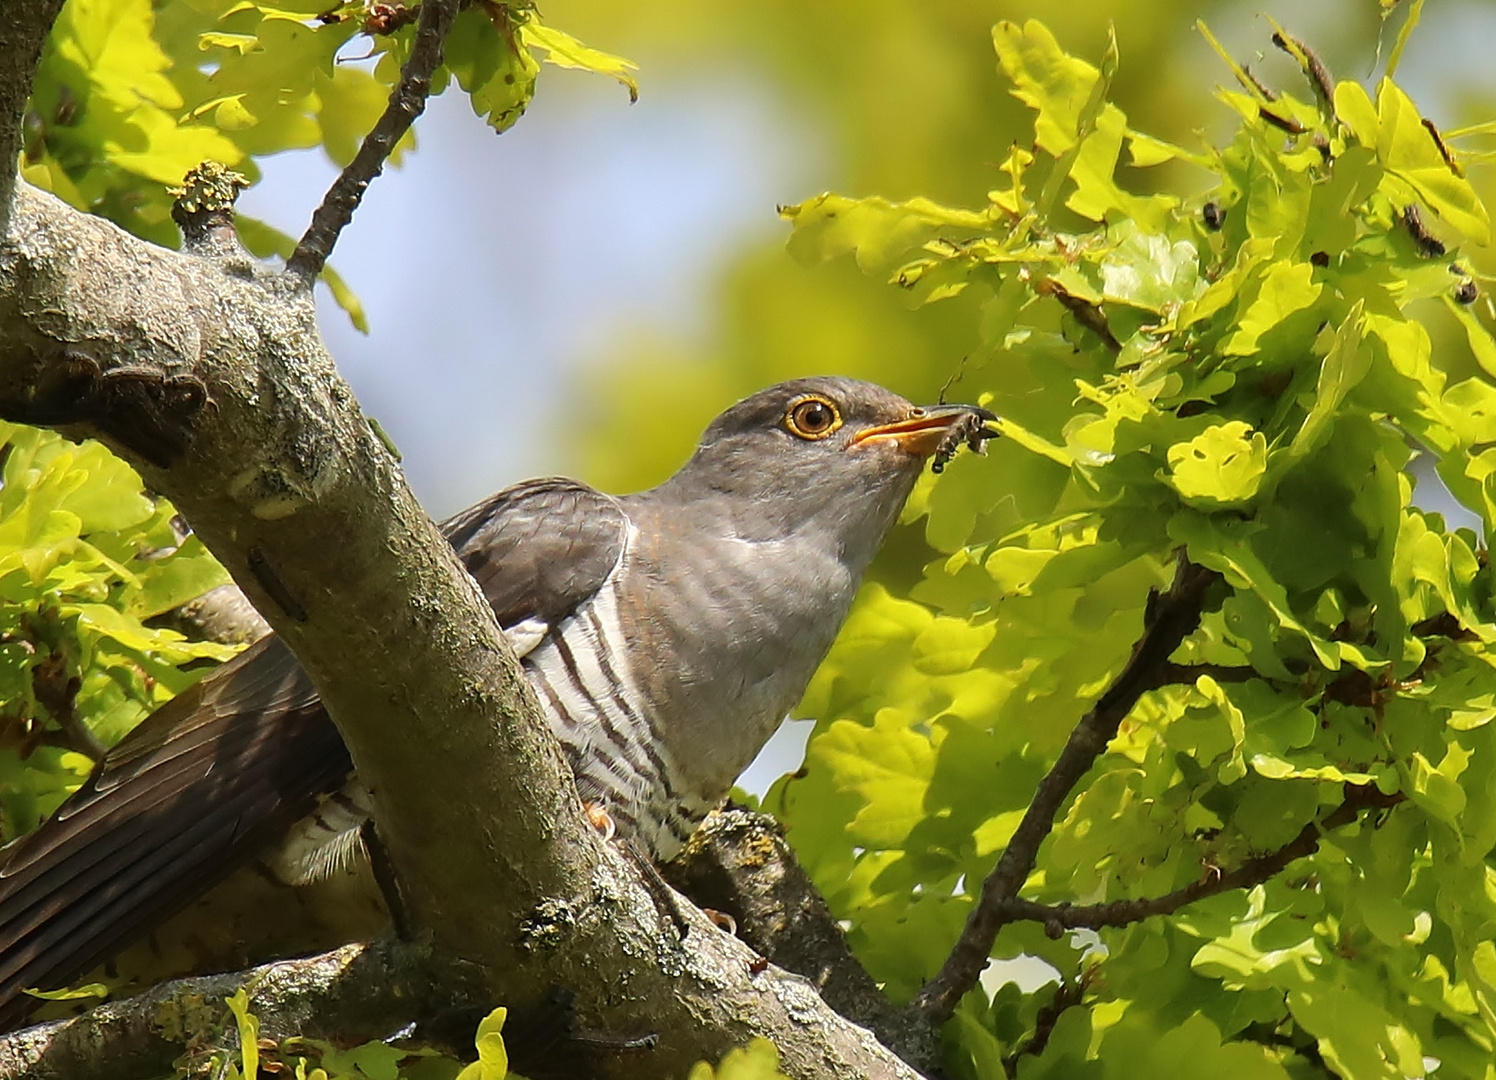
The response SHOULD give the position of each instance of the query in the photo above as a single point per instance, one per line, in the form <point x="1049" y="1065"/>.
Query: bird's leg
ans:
<point x="656" y="886"/>
<point x="384" y="877"/>
<point x="600" y="819"/>
<point x="721" y="920"/>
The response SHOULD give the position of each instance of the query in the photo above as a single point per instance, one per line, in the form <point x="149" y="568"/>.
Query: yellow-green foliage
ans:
<point x="1247" y="377"/>
<point x="312" y="1059"/>
<point x="86" y="557"/>
<point x="756" y="1061"/>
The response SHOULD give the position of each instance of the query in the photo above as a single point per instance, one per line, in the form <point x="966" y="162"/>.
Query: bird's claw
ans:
<point x="599" y="818"/>
<point x="721" y="920"/>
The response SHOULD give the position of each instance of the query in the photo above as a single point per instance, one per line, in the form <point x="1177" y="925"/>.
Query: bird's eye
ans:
<point x="812" y="418"/>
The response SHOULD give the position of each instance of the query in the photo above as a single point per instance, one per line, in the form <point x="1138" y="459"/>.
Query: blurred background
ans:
<point x="581" y="294"/>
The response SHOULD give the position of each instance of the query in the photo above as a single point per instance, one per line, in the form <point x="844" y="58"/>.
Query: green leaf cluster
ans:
<point x="231" y="1046"/>
<point x="87" y="560"/>
<point x="1244" y="378"/>
<point x="759" y="1060"/>
<point x="494" y="53"/>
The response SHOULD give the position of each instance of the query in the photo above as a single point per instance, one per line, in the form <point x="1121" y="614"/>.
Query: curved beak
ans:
<point x="927" y="430"/>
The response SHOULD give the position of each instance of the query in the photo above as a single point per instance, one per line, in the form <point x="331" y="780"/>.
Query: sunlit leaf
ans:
<point x="563" y="50"/>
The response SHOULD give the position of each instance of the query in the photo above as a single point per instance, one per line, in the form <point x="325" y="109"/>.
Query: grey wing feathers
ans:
<point x="219" y="773"/>
<point x="539" y="549"/>
<point x="203" y="783"/>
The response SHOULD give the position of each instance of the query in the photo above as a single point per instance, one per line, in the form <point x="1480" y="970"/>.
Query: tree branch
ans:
<point x="1170" y="618"/>
<point x="284" y="481"/>
<point x="1066" y="995"/>
<point x="55" y="685"/>
<point x="224" y="615"/>
<point x="1060" y="917"/>
<point x="207" y="373"/>
<point x="1186" y="674"/>
<point x="407" y="101"/>
<point x="353" y="994"/>
<point x="23" y="32"/>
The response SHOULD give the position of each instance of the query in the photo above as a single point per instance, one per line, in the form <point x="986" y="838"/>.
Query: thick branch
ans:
<point x="284" y="481"/>
<point x="224" y="615"/>
<point x="207" y="373"/>
<point x="1170" y="617"/>
<point x="407" y="102"/>
<point x="353" y="994"/>
<point x="1060" y="917"/>
<point x="23" y="31"/>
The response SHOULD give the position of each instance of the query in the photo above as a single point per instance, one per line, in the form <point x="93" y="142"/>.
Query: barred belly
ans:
<point x="580" y="672"/>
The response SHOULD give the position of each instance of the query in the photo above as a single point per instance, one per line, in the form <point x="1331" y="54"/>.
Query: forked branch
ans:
<point x="1171" y="616"/>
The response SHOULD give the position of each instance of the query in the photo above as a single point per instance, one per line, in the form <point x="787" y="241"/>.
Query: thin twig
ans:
<point x="407" y="101"/>
<point x="1068" y="994"/>
<point x="1170" y="617"/>
<point x="1060" y="917"/>
<point x="55" y="686"/>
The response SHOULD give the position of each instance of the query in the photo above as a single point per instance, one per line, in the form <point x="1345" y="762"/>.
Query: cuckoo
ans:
<point x="666" y="634"/>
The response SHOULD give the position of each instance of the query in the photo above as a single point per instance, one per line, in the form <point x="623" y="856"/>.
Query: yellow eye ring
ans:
<point x="812" y="417"/>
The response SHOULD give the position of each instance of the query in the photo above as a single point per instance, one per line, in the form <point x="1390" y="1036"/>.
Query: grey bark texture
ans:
<point x="206" y="371"/>
<point x="224" y="615"/>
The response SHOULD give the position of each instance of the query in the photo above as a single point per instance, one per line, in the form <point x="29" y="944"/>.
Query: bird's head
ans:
<point x="828" y="450"/>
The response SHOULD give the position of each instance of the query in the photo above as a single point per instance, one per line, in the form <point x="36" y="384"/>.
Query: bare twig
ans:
<point x="1060" y="917"/>
<point x="23" y="30"/>
<point x="407" y="101"/>
<point x="1170" y="617"/>
<point x="1186" y="674"/>
<point x="56" y="686"/>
